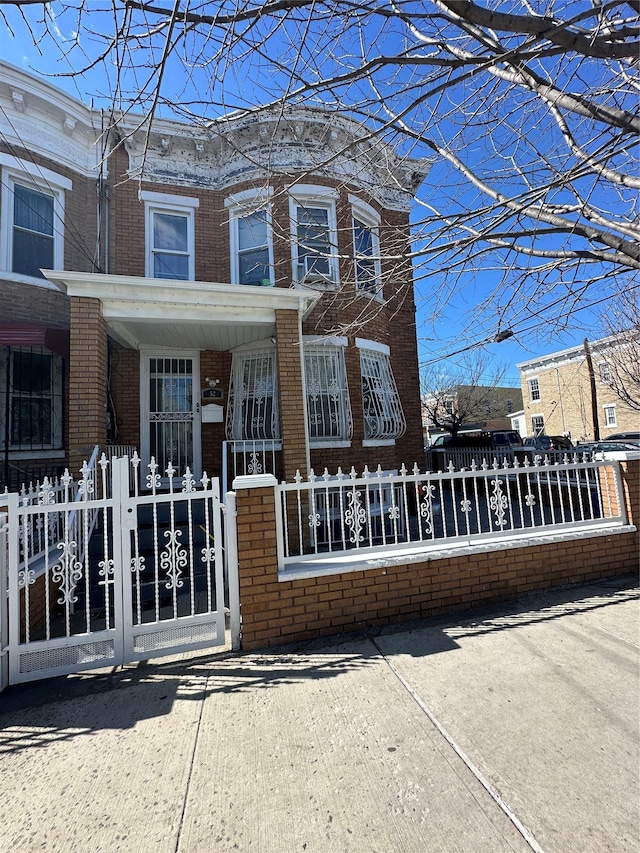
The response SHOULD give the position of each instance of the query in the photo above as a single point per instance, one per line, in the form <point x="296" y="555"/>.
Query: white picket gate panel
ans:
<point x="122" y="573"/>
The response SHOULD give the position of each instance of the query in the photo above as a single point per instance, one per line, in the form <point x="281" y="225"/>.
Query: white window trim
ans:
<point x="363" y="343"/>
<point x="605" y="367"/>
<point x="610" y="407"/>
<point x="531" y="398"/>
<point x="12" y="171"/>
<point x="167" y="203"/>
<point x="244" y="204"/>
<point x="371" y="218"/>
<point x="310" y="342"/>
<point x="311" y="195"/>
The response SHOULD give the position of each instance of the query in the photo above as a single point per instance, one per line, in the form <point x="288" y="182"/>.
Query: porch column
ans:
<point x="291" y="388"/>
<point x="87" y="380"/>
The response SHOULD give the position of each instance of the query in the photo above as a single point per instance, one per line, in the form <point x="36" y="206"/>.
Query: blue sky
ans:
<point x="458" y="327"/>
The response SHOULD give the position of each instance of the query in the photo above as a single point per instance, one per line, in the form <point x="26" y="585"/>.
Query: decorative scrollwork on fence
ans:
<point x="499" y="503"/>
<point x="26" y="577"/>
<point x="426" y="506"/>
<point x="67" y="573"/>
<point x="355" y="516"/>
<point x="254" y="465"/>
<point x="188" y="482"/>
<point x="173" y="559"/>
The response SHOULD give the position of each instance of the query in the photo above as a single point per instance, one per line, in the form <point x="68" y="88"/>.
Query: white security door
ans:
<point x="170" y="417"/>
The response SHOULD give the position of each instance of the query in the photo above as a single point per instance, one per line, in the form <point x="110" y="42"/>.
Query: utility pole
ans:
<point x="592" y="387"/>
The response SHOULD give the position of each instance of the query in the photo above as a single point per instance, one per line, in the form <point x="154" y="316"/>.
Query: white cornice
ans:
<point x="306" y="141"/>
<point x="597" y="348"/>
<point x="39" y="117"/>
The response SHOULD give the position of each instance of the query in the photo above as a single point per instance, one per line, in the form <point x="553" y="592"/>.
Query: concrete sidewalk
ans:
<point x="511" y="730"/>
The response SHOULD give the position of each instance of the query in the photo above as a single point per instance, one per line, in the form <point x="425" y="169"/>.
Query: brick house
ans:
<point x="571" y="392"/>
<point x="232" y="298"/>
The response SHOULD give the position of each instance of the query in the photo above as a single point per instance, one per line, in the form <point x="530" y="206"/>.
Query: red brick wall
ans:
<point x="87" y="380"/>
<point x="285" y="611"/>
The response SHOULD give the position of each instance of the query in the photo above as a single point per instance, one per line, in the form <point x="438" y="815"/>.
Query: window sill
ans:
<point x="328" y="443"/>
<point x="35" y="454"/>
<point x="374" y="294"/>
<point x="325" y="286"/>
<point x="378" y="442"/>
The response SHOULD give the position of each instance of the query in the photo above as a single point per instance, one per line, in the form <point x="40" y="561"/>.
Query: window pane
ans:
<point x="31" y="421"/>
<point x="31" y="253"/>
<point x="254" y="267"/>
<point x="252" y="230"/>
<point x="363" y="238"/>
<point x="170" y="232"/>
<point x="32" y="372"/>
<point x="32" y="210"/>
<point x="170" y="266"/>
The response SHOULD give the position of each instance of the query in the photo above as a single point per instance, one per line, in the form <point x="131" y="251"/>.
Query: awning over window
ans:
<point x="34" y="335"/>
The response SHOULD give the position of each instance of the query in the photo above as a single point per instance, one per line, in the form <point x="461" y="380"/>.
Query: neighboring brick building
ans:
<point x="570" y="392"/>
<point x="237" y="297"/>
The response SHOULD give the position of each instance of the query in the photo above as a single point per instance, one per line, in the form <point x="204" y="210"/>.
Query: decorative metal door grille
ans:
<point x="171" y="417"/>
<point x="99" y="575"/>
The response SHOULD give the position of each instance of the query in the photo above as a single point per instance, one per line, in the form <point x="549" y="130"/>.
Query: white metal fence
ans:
<point x="343" y="513"/>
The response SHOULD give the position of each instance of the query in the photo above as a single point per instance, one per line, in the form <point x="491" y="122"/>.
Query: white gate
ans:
<point x="102" y="572"/>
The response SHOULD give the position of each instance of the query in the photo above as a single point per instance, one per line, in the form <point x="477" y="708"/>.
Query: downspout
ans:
<point x="7" y="408"/>
<point x="592" y="388"/>
<point x="307" y="449"/>
<point x="564" y="427"/>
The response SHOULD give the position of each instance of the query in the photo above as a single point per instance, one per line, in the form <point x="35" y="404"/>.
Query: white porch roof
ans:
<point x="184" y="314"/>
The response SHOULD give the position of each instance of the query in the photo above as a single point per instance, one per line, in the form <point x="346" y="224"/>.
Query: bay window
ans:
<point x="252" y="410"/>
<point x="250" y="238"/>
<point x="328" y="409"/>
<point x="314" y="236"/>
<point x="384" y="419"/>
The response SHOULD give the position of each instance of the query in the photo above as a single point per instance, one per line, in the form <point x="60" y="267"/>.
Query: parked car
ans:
<point x="632" y="437"/>
<point x="597" y="449"/>
<point x="545" y="443"/>
<point x="498" y="439"/>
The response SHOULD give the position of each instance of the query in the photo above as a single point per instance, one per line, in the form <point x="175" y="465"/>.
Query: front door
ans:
<point x="170" y="416"/>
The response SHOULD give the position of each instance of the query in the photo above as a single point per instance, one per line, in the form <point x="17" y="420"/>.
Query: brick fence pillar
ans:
<point x="257" y="559"/>
<point x="630" y="475"/>
<point x="87" y="380"/>
<point x="291" y="389"/>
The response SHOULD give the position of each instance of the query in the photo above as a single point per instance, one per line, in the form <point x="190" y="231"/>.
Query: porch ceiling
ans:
<point x="184" y="314"/>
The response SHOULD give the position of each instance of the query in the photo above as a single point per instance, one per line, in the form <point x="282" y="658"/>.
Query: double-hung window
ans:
<point x="314" y="236"/>
<point x="366" y="248"/>
<point x="534" y="390"/>
<point x="328" y="409"/>
<point x="384" y="419"/>
<point x="250" y="239"/>
<point x="31" y="394"/>
<point x="252" y="410"/>
<point x="537" y="424"/>
<point x="32" y="226"/>
<point x="610" y="418"/>
<point x="170" y="242"/>
<point x="605" y="372"/>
